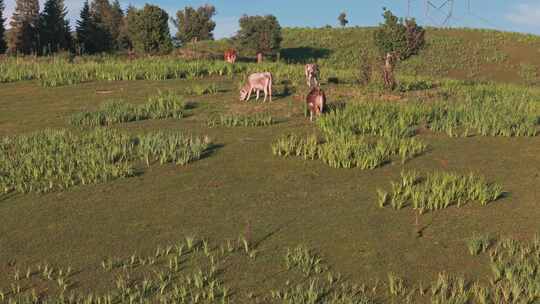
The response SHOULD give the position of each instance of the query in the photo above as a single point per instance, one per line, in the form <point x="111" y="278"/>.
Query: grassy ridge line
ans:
<point x="60" y="72"/>
<point x="468" y="54"/>
<point x="457" y="52"/>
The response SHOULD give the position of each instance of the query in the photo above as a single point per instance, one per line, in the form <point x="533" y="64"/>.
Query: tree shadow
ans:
<point x="211" y="150"/>
<point x="304" y="54"/>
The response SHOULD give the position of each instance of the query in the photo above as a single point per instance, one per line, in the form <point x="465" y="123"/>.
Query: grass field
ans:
<point x="241" y="225"/>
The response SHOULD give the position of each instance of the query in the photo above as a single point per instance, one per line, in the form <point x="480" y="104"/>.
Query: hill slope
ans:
<point x="457" y="53"/>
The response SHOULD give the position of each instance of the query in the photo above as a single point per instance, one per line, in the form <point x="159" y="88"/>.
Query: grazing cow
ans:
<point x="258" y="82"/>
<point x="230" y="55"/>
<point x="388" y="70"/>
<point x="312" y="74"/>
<point x="316" y="101"/>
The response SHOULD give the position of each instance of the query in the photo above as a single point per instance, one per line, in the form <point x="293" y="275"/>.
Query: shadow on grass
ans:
<point x="212" y="149"/>
<point x="304" y="54"/>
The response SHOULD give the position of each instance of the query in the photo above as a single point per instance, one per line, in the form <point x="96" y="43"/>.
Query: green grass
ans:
<point x="479" y="243"/>
<point x="235" y="120"/>
<point x="512" y="112"/>
<point x="160" y="106"/>
<point x="173" y="274"/>
<point x="96" y="229"/>
<point x="348" y="152"/>
<point x="54" y="160"/>
<point x="438" y="190"/>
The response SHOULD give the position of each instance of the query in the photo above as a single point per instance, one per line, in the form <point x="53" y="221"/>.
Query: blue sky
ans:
<point x="516" y="15"/>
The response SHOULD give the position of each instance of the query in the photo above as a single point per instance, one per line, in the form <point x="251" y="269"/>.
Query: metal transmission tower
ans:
<point x="437" y="10"/>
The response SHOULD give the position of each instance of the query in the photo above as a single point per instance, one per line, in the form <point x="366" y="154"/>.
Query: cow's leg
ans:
<point x="249" y="94"/>
<point x="270" y="89"/>
<point x="258" y="95"/>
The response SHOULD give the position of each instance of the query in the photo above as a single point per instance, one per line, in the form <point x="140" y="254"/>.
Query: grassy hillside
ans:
<point x="457" y="53"/>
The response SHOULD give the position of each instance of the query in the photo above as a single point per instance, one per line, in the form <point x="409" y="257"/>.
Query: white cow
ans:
<point x="258" y="82"/>
<point x="312" y="74"/>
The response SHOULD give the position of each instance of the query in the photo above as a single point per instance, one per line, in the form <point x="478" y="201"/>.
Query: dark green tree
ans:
<point x="54" y="30"/>
<point x="402" y="37"/>
<point x="259" y="34"/>
<point x="117" y="25"/>
<point x="102" y="14"/>
<point x="90" y="34"/>
<point x="195" y="25"/>
<point x="23" y="35"/>
<point x="397" y="38"/>
<point x="148" y="30"/>
<point x="3" y="44"/>
<point x="342" y="18"/>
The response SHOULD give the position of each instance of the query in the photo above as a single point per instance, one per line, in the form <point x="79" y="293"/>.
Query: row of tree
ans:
<point x="104" y="27"/>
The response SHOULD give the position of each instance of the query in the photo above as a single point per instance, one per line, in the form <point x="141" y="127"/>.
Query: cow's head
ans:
<point x="243" y="94"/>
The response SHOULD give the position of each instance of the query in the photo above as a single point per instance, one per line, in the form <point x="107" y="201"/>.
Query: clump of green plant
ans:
<point x="438" y="191"/>
<point x="529" y="73"/>
<point x="202" y="89"/>
<point x="348" y="151"/>
<point x="171" y="147"/>
<point x="373" y="119"/>
<point x="396" y="285"/>
<point x="170" y="275"/>
<point x="161" y="106"/>
<point x="479" y="243"/>
<point x="449" y="289"/>
<point x="56" y="160"/>
<point x="303" y="259"/>
<point x="512" y="112"/>
<point x="234" y="120"/>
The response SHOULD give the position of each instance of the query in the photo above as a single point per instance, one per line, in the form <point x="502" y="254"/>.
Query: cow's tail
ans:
<point x="270" y="85"/>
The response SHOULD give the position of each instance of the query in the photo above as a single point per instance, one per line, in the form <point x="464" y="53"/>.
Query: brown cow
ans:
<point x="230" y="55"/>
<point x="316" y="101"/>
<point x="258" y="82"/>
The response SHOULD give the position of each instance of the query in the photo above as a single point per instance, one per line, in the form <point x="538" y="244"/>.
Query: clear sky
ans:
<point x="508" y="15"/>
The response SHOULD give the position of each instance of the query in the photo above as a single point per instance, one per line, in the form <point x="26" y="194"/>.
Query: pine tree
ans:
<point x="101" y="12"/>
<point x="117" y="25"/>
<point x="54" y="30"/>
<point x="3" y="45"/>
<point x="23" y="36"/>
<point x="86" y="31"/>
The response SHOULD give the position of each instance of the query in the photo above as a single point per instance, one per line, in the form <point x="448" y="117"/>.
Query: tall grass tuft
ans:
<point x="440" y="190"/>
<point x="234" y="120"/>
<point x="56" y="160"/>
<point x="348" y="151"/>
<point x="161" y="106"/>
